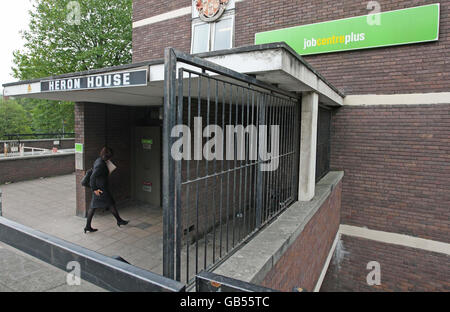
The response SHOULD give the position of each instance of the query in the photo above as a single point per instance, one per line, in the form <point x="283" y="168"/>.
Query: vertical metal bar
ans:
<point x="199" y="99"/>
<point x="259" y="182"/>
<point x="240" y="165"/>
<point x="221" y="176"/>
<point x="291" y="144"/>
<point x="215" y="172"/>
<point x="284" y="140"/>
<point x="168" y="163"/>
<point x="188" y="173"/>
<point x="179" y="224"/>
<point x="297" y="145"/>
<point x="272" y="169"/>
<point x="247" y="161"/>
<point x="278" y="174"/>
<point x="269" y="139"/>
<point x="256" y="116"/>
<point x="206" y="204"/>
<point x="282" y="112"/>
<point x="228" y="174"/>
<point x="235" y="165"/>
<point x="294" y="167"/>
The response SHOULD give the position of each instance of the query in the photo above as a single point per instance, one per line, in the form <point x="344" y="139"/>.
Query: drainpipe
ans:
<point x="0" y="202"/>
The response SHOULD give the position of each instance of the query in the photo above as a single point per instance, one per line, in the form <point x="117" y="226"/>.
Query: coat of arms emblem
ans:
<point x="211" y="10"/>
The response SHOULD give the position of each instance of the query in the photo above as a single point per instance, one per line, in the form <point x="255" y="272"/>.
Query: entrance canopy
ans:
<point x="141" y="84"/>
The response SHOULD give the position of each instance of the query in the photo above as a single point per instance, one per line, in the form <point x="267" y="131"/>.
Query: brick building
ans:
<point x="387" y="108"/>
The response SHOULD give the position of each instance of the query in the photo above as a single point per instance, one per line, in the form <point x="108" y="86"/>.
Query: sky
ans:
<point x="13" y="19"/>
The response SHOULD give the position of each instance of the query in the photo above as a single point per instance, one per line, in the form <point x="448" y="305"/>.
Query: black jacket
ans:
<point x="99" y="181"/>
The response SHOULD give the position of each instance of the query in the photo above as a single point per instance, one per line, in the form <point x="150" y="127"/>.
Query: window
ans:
<point x="212" y="36"/>
<point x="200" y="38"/>
<point x="223" y="34"/>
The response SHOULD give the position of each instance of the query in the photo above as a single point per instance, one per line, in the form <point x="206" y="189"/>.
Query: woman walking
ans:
<point x="101" y="196"/>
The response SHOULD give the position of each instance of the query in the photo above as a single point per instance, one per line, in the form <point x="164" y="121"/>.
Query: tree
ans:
<point x="70" y="36"/>
<point x="13" y="119"/>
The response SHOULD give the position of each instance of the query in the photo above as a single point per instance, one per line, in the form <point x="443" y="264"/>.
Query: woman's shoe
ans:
<point x="89" y="230"/>
<point x="122" y="222"/>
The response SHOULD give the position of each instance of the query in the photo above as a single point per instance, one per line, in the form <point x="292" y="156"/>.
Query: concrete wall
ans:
<point x="403" y="69"/>
<point x="402" y="268"/>
<point x="34" y="167"/>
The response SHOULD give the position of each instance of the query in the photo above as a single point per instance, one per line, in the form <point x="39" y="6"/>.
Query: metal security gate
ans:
<point x="230" y="161"/>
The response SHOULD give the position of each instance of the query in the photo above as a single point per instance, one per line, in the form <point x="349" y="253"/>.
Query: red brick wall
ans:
<point x="397" y="168"/>
<point x="150" y="41"/>
<point x="402" y="268"/>
<point x="94" y="130"/>
<point x="143" y="9"/>
<point x="33" y="168"/>
<point x="303" y="262"/>
<point x="403" y="69"/>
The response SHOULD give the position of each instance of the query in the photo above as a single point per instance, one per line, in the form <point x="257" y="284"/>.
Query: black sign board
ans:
<point x="100" y="81"/>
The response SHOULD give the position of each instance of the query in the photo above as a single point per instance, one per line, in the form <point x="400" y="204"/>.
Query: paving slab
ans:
<point x="48" y="205"/>
<point x="20" y="272"/>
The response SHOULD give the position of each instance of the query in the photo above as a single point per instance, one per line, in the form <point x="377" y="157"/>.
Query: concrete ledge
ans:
<point x="37" y="156"/>
<point x="269" y="246"/>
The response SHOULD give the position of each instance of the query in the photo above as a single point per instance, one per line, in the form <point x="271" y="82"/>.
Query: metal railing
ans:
<point x="16" y="145"/>
<point x="211" y="207"/>
<point x="27" y="136"/>
<point x="17" y="149"/>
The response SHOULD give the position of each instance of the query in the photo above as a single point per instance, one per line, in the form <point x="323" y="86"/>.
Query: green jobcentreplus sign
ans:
<point x="412" y="25"/>
<point x="79" y="148"/>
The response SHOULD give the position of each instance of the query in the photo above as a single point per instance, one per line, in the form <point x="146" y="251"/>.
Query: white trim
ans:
<point x="22" y="89"/>
<point x="163" y="17"/>
<point x="398" y="99"/>
<point x="167" y="16"/>
<point x="396" y="239"/>
<point x="327" y="263"/>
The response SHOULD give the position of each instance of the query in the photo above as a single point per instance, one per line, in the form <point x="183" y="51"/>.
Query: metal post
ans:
<point x="178" y="183"/>
<point x="260" y="175"/>
<point x="297" y="147"/>
<point x="170" y="65"/>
